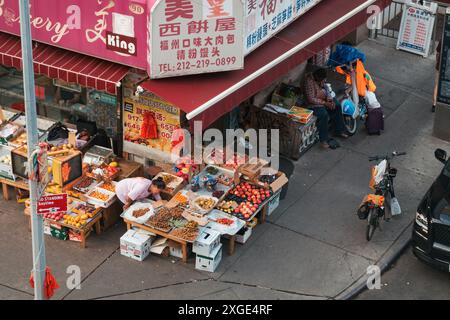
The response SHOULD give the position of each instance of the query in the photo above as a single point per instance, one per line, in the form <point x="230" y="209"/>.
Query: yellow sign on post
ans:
<point x="150" y="121"/>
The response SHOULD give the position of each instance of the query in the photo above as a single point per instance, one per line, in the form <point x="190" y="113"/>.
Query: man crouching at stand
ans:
<point x="324" y="107"/>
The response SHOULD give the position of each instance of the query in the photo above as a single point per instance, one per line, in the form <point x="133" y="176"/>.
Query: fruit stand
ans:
<point x="86" y="177"/>
<point x="76" y="224"/>
<point x="220" y="199"/>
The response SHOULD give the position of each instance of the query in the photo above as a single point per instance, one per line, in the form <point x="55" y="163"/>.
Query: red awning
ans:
<point x="206" y="97"/>
<point x="65" y="65"/>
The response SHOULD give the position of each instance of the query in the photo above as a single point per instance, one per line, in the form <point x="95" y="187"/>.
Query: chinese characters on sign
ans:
<point x="264" y="18"/>
<point x="416" y="28"/>
<point x="196" y="36"/>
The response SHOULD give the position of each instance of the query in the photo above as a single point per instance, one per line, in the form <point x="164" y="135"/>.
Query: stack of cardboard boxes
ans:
<point x="208" y="250"/>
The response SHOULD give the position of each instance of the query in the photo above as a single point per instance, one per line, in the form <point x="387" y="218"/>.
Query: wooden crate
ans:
<point x="292" y="133"/>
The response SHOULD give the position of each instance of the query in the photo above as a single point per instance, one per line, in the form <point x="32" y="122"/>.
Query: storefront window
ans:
<point x="60" y="101"/>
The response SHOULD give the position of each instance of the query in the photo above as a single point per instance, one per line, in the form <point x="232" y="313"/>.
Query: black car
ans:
<point x="431" y="234"/>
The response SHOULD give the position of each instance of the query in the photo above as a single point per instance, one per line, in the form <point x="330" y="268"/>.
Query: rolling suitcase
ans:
<point x="375" y="121"/>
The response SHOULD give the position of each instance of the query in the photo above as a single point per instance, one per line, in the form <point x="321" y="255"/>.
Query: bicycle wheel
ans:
<point x="351" y="124"/>
<point x="372" y="219"/>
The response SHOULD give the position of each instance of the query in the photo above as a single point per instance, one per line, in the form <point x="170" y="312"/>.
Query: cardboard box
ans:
<point x="6" y="170"/>
<point x="210" y="262"/>
<point x="278" y="183"/>
<point x="252" y="168"/>
<point x="273" y="204"/>
<point x="160" y="246"/>
<point x="135" y="245"/>
<point x="61" y="233"/>
<point x="74" y="236"/>
<point x="243" y="235"/>
<point x="207" y="241"/>
<point x="175" y="249"/>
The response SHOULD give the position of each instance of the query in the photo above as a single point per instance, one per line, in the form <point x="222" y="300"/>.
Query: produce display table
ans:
<point x="84" y="231"/>
<point x="18" y="184"/>
<point x="183" y="243"/>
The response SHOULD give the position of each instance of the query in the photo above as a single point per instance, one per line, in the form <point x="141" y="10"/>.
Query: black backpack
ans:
<point x="58" y="131"/>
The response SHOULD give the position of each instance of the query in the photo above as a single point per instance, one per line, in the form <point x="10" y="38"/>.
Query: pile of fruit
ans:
<point x="245" y="210"/>
<point x="65" y="147"/>
<point x="77" y="221"/>
<point x="218" y="194"/>
<point x="20" y="140"/>
<point x="82" y="209"/>
<point x="108" y="186"/>
<point x="53" y="188"/>
<point x="218" y="156"/>
<point x="249" y="192"/>
<point x="53" y="216"/>
<point x="104" y="171"/>
<point x="225" y="221"/>
<point x="99" y="195"/>
<point x="248" y="198"/>
<point x="181" y="198"/>
<point x="228" y="206"/>
<point x="184" y="166"/>
<point x="205" y="203"/>
<point x="225" y="179"/>
<point x="167" y="178"/>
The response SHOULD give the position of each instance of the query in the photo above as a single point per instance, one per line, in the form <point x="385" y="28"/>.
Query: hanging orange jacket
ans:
<point x="348" y="77"/>
<point x="363" y="79"/>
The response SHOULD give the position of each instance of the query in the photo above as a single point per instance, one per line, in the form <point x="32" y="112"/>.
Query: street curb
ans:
<point x="386" y="260"/>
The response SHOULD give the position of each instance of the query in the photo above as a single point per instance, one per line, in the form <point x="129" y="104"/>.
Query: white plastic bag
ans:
<point x="371" y="100"/>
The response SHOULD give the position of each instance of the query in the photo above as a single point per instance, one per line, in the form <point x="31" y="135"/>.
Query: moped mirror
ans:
<point x="441" y="155"/>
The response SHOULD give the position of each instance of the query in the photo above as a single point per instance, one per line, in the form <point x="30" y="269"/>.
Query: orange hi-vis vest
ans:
<point x="364" y="81"/>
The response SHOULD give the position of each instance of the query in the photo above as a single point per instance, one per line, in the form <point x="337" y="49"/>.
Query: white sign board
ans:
<point x="265" y="18"/>
<point x="417" y="26"/>
<point x="196" y="36"/>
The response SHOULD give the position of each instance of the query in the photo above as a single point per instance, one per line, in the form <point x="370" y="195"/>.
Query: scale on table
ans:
<point x="98" y="155"/>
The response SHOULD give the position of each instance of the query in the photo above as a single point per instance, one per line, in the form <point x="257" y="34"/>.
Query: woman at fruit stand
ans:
<point x="132" y="189"/>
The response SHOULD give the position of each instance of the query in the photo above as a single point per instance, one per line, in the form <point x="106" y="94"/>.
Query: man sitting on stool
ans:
<point x="324" y="107"/>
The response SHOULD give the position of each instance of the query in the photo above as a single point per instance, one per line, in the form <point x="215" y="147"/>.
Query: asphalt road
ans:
<point x="409" y="278"/>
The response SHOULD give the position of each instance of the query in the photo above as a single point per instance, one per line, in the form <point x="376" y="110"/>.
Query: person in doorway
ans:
<point x="132" y="189"/>
<point x="436" y="79"/>
<point x="324" y="107"/>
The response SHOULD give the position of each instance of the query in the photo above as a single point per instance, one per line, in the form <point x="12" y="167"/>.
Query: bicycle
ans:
<point x="382" y="183"/>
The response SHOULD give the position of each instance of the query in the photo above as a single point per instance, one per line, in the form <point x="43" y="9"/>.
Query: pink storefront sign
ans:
<point x="114" y="30"/>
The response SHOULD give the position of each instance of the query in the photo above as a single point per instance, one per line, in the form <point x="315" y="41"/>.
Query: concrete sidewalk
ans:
<point x="313" y="246"/>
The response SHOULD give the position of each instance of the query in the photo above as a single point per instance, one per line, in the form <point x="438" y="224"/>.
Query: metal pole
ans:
<point x="37" y="231"/>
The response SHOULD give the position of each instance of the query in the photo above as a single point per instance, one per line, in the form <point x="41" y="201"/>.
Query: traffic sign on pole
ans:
<point x="52" y="203"/>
